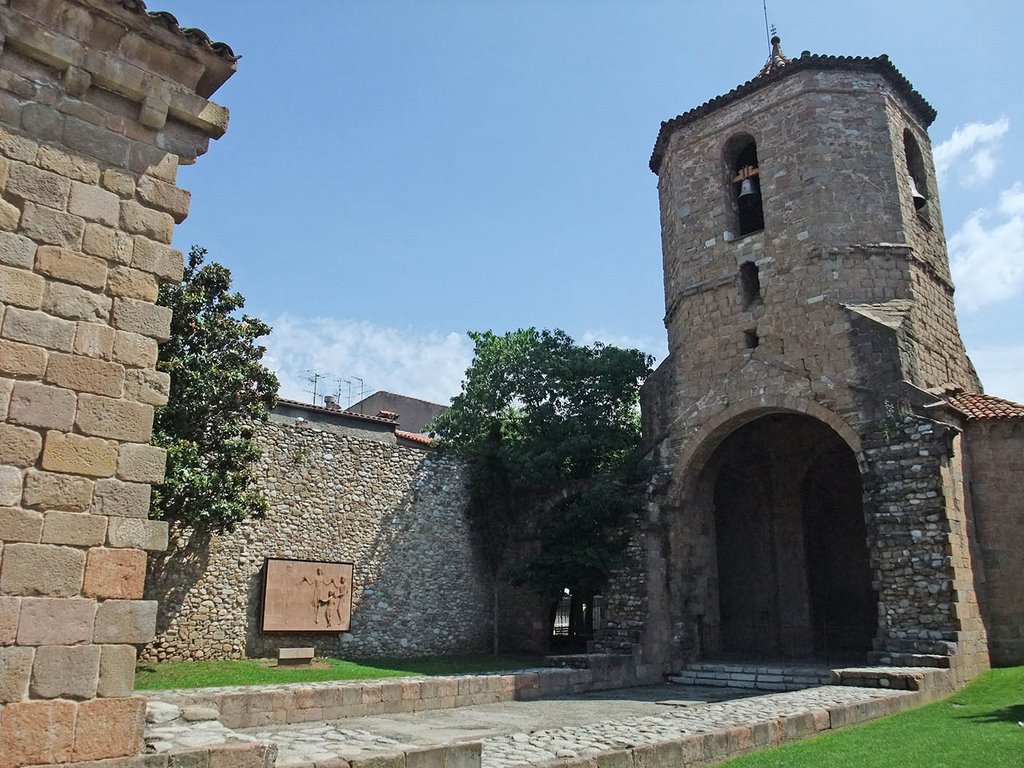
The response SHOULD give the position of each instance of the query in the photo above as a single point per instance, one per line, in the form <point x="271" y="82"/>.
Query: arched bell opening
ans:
<point x="916" y="173"/>
<point x="791" y="574"/>
<point x="745" y="183"/>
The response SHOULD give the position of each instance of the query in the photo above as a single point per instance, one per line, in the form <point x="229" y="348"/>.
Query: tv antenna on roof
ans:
<point x="360" y="389"/>
<point x="313" y="378"/>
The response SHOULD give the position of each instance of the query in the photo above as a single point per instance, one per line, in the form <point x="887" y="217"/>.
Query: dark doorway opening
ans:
<point x="843" y="605"/>
<point x="572" y="621"/>
<point x="793" y="574"/>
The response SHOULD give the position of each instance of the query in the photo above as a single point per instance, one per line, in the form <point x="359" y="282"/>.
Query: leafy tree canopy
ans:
<point x="219" y="391"/>
<point x="550" y="429"/>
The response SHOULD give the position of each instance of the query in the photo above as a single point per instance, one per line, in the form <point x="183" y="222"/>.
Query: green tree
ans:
<point x="219" y="391"/>
<point x="550" y="429"/>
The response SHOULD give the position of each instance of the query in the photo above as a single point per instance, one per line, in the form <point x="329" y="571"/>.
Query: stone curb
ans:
<point x="257" y="706"/>
<point x="236" y="755"/>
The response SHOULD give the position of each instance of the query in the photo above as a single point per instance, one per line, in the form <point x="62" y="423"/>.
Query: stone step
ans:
<point x="766" y="677"/>
<point x="757" y="668"/>
<point x="913" y="660"/>
<point x="894" y="678"/>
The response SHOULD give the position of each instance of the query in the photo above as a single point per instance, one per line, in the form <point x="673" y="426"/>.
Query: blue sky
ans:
<point x="398" y="173"/>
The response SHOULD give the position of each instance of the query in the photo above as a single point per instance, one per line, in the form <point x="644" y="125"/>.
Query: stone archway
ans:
<point x="782" y="494"/>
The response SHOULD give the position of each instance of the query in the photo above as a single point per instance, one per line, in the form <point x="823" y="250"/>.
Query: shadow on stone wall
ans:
<point x="397" y="513"/>
<point x="171" y="574"/>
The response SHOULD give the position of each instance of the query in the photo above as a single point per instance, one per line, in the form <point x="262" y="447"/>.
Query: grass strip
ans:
<point x="979" y="726"/>
<point x="200" y="674"/>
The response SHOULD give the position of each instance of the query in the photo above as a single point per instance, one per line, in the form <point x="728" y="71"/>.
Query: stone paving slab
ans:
<point x="518" y="733"/>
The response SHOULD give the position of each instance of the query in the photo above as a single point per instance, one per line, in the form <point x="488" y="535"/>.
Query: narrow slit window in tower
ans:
<point x="751" y="339"/>
<point x="750" y="282"/>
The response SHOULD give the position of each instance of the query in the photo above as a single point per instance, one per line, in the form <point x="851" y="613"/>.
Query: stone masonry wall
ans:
<point x="625" y="608"/>
<point x="854" y="298"/>
<point x="98" y="104"/>
<point x="995" y="450"/>
<point x="920" y="552"/>
<point x="336" y="494"/>
<point x="939" y="353"/>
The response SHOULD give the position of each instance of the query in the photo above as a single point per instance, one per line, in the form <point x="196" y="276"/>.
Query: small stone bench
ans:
<point x="294" y="656"/>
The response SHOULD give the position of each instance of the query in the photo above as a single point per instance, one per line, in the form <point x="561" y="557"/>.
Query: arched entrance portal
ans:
<point x="793" y="576"/>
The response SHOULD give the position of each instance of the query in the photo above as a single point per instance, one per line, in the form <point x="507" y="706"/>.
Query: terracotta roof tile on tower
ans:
<point x="776" y="59"/>
<point x="168" y="21"/>
<point x="980" y="406"/>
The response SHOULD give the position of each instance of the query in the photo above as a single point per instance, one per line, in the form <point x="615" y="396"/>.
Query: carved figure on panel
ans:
<point x="304" y="596"/>
<point x="327" y="594"/>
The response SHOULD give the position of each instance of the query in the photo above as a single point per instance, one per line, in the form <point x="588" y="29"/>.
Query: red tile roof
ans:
<point x="414" y="437"/>
<point x="776" y="59"/>
<point x="979" y="406"/>
<point x="333" y="412"/>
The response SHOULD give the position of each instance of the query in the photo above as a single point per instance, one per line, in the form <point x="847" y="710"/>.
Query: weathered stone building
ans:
<point x="831" y="477"/>
<point x="342" y="487"/>
<point x="812" y="498"/>
<point x="99" y="103"/>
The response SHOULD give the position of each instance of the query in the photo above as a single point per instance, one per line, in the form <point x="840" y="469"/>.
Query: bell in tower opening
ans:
<point x="747" y="188"/>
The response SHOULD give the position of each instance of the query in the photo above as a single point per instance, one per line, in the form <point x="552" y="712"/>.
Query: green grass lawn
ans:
<point x="976" y="728"/>
<point x="197" y="674"/>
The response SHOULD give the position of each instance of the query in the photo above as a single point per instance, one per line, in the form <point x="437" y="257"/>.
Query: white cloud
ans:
<point x="1001" y="370"/>
<point x="427" y="365"/>
<point x="987" y="253"/>
<point x="625" y="342"/>
<point x="978" y="143"/>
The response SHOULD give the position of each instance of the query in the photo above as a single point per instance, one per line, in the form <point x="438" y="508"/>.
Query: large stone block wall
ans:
<point x="995" y="450"/>
<point x="98" y="105"/>
<point x="336" y="493"/>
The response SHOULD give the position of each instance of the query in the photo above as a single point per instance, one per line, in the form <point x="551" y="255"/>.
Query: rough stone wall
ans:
<point x="97" y="107"/>
<point x="524" y="620"/>
<point x="335" y="494"/>
<point x="625" y="607"/>
<point x="920" y="546"/>
<point x="995" y="450"/>
<point x="939" y="354"/>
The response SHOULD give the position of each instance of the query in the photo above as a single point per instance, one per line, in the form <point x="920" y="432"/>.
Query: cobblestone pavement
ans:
<point x="528" y="732"/>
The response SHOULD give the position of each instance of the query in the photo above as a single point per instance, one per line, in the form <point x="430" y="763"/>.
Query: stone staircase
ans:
<point x="780" y="676"/>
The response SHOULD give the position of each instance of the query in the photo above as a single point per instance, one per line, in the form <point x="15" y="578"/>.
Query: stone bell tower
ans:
<point x="807" y="505"/>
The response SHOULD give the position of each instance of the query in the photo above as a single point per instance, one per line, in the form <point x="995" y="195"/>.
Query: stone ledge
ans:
<point x="260" y="705"/>
<point x="895" y="678"/>
<point x="229" y="755"/>
<point x="157" y="96"/>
